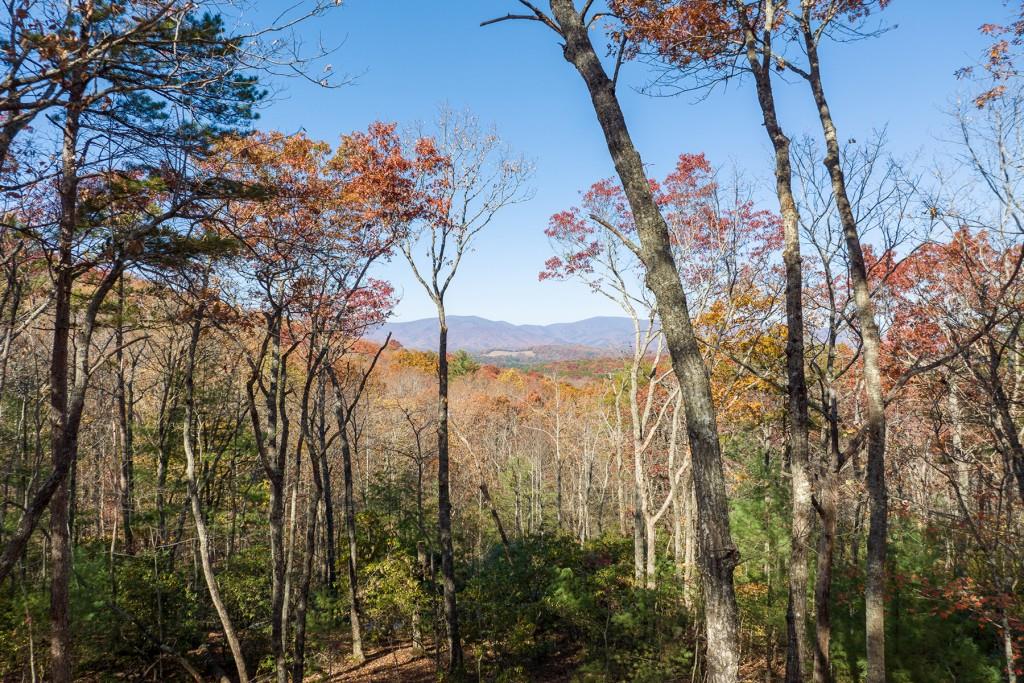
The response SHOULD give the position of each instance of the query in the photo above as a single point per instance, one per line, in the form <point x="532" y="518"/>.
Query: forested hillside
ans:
<point x="593" y="336"/>
<point x="794" y="451"/>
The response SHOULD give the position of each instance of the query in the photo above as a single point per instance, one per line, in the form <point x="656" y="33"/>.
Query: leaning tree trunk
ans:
<point x="718" y="555"/>
<point x="444" y="505"/>
<point x="871" y="346"/>
<point x="202" y="534"/>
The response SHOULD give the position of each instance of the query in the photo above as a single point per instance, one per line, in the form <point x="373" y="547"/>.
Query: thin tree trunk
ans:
<point x="620" y="493"/>
<point x="871" y="347"/>
<point x="350" y="529"/>
<point x="305" y="579"/>
<point x="1008" y="653"/>
<point x="444" y="505"/>
<point x="497" y="521"/>
<point x="202" y="534"/>
<point x="718" y="555"/>
<point x="124" y="399"/>
<point x="421" y="576"/>
<point x="328" y="498"/>
<point x="802" y="517"/>
<point x="826" y="550"/>
<point x="272" y="446"/>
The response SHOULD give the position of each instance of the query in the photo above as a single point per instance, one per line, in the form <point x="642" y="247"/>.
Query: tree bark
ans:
<point x="444" y="505"/>
<point x="272" y="446"/>
<point x="871" y="348"/>
<point x="718" y="555"/>
<point x="306" y="577"/>
<point x="63" y="425"/>
<point x="124" y="421"/>
<point x="802" y="517"/>
<point x="826" y="550"/>
<point x="350" y="526"/>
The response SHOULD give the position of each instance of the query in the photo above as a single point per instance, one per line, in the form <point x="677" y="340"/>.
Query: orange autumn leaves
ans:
<point x="366" y="190"/>
<point x="309" y="220"/>
<point x="712" y="32"/>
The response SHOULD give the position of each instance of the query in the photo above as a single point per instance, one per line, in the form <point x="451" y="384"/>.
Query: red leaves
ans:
<point x="715" y="240"/>
<point x="999" y="58"/>
<point x="710" y="34"/>
<point x="313" y="220"/>
<point x="681" y="30"/>
<point x="380" y="180"/>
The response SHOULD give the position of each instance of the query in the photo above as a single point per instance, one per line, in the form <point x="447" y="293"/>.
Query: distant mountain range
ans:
<point x="501" y="340"/>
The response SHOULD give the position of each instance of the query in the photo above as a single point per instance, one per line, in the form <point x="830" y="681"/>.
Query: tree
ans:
<point x="717" y="552"/>
<point x="721" y="243"/>
<point x="315" y="224"/>
<point x="144" y="82"/>
<point x="476" y="177"/>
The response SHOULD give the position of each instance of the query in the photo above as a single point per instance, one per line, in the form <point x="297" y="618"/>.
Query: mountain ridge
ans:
<point x="479" y="335"/>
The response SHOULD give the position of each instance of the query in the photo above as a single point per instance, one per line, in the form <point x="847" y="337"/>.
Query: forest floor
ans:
<point x="402" y="663"/>
<point x="399" y="663"/>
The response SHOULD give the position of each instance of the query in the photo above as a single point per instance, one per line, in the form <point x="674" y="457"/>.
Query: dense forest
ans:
<point x="809" y="466"/>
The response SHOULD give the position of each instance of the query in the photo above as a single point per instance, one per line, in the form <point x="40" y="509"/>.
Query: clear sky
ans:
<point x="410" y="56"/>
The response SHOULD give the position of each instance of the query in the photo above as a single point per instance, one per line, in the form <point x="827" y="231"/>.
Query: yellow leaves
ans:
<point x="421" y="361"/>
<point x="753" y="590"/>
<point x="512" y="377"/>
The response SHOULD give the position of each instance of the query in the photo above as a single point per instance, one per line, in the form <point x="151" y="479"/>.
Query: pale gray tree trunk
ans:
<point x="202" y="533"/>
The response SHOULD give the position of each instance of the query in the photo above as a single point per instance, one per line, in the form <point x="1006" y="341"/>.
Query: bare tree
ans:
<point x="480" y="177"/>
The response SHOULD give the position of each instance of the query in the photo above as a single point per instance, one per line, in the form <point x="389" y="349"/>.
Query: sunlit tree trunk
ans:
<point x="802" y="518"/>
<point x="874" y="390"/>
<point x="718" y="556"/>
<point x="192" y="481"/>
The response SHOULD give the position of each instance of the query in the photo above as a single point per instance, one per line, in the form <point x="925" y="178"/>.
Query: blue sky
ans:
<point x="410" y="56"/>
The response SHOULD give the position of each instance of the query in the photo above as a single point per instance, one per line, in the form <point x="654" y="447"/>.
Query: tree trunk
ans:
<point x="651" y="532"/>
<point x="639" y="530"/>
<point x="497" y="521"/>
<point x="444" y="506"/>
<point x="124" y="422"/>
<point x="305" y="579"/>
<point x="421" y="577"/>
<point x="802" y="518"/>
<point x="272" y="445"/>
<point x="1008" y="653"/>
<point x="328" y="498"/>
<point x="718" y="555"/>
<point x="826" y="550"/>
<point x="1007" y="424"/>
<point x="63" y="434"/>
<point x="202" y="534"/>
<point x="871" y="347"/>
<point x="350" y="528"/>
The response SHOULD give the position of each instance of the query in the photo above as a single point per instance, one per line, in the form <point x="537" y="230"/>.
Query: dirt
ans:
<point x="398" y="664"/>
